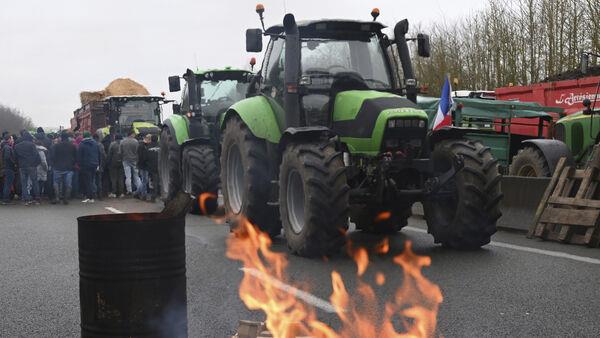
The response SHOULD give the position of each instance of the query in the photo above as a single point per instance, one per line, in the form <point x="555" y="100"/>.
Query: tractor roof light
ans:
<point x="260" y="9"/>
<point x="375" y="13"/>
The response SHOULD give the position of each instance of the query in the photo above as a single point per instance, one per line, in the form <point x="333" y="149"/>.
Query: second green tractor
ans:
<point x="331" y="132"/>
<point x="190" y="138"/>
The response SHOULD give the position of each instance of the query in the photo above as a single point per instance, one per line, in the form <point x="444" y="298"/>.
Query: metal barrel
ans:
<point x="132" y="279"/>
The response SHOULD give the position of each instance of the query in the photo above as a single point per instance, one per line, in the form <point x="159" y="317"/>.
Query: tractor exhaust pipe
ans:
<point x="410" y="82"/>
<point x="291" y="98"/>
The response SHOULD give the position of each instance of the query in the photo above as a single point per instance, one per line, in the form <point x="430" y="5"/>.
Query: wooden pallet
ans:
<point x="569" y="211"/>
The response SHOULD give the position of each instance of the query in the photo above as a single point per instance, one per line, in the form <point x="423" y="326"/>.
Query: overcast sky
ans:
<point x="52" y="50"/>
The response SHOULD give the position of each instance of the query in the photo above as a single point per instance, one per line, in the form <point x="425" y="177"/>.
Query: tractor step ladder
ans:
<point x="569" y="211"/>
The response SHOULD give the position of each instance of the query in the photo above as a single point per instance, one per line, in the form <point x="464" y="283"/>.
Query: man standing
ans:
<point x="88" y="157"/>
<point x="115" y="168"/>
<point x="28" y="159"/>
<point x="98" y="179"/>
<point x="129" y="152"/>
<point x="143" y="166"/>
<point x="63" y="156"/>
<point x="8" y="167"/>
<point x="152" y="161"/>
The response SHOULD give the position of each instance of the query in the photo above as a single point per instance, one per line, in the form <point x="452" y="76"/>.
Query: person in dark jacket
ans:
<point x="152" y="165"/>
<point x="8" y="167"/>
<point x="114" y="162"/>
<point x="63" y="156"/>
<point x="143" y="166"/>
<point x="88" y="158"/>
<point x="44" y="139"/>
<point x="129" y="152"/>
<point x="98" y="179"/>
<point x="28" y="159"/>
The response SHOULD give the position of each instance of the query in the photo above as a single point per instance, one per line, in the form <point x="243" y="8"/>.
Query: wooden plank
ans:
<point x="543" y="203"/>
<point x="571" y="201"/>
<point x="587" y="218"/>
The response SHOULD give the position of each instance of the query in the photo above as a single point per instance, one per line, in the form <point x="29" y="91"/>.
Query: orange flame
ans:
<point x="203" y="199"/>
<point x="415" y="303"/>
<point x="383" y="216"/>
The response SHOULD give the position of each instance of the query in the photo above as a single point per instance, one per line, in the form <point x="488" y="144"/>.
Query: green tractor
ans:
<point x="189" y="142"/>
<point x="325" y="136"/>
<point x="140" y="113"/>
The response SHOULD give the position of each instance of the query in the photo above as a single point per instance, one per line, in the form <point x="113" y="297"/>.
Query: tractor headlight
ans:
<point x="422" y="124"/>
<point x="391" y="123"/>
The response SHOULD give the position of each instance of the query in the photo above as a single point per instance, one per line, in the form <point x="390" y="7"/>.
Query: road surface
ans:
<point x="513" y="287"/>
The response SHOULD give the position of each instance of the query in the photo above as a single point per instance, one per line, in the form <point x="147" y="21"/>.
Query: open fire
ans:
<point x="412" y="311"/>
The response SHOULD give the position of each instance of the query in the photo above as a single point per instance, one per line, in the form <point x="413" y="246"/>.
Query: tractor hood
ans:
<point x="360" y="117"/>
<point x="145" y="128"/>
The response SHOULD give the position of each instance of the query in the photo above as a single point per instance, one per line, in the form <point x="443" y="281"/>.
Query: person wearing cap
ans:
<point x="63" y="156"/>
<point x="88" y="158"/>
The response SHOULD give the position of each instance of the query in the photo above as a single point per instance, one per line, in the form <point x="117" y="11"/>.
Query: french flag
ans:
<point x="443" y="117"/>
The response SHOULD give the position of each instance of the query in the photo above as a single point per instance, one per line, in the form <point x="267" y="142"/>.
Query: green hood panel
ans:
<point x="360" y="118"/>
<point x="260" y="117"/>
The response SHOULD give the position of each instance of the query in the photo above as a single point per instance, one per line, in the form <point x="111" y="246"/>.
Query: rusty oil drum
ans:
<point x="132" y="279"/>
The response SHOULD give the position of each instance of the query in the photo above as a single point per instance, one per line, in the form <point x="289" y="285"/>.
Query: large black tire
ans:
<point x="529" y="162"/>
<point x="245" y="181"/>
<point x="380" y="219"/>
<point x="169" y="166"/>
<point x="313" y="199"/>
<point x="463" y="214"/>
<point x="201" y="175"/>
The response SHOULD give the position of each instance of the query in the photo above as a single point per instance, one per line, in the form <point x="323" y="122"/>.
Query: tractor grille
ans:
<point x="404" y="137"/>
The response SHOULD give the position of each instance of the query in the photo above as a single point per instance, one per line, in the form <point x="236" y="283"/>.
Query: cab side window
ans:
<point x="273" y="71"/>
<point x="185" y="102"/>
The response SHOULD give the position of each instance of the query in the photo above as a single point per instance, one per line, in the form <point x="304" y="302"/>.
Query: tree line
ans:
<point x="510" y="42"/>
<point x="13" y="120"/>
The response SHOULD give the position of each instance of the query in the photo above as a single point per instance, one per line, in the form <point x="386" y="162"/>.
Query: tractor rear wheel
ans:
<point x="463" y="213"/>
<point x="313" y="199"/>
<point x="380" y="219"/>
<point x="245" y="178"/>
<point x="168" y="168"/>
<point x="529" y="162"/>
<point x="201" y="175"/>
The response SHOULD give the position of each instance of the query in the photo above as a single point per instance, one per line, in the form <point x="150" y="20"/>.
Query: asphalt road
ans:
<point x="514" y="287"/>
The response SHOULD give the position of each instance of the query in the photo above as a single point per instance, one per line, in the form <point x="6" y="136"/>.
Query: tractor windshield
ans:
<point x="139" y="111"/>
<point x="220" y="95"/>
<point x="324" y="60"/>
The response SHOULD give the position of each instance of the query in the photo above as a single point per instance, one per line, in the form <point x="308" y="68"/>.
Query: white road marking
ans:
<point x="528" y="249"/>
<point x="113" y="210"/>
<point x="302" y="295"/>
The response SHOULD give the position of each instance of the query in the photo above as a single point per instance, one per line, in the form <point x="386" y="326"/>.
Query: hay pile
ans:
<point x="122" y="86"/>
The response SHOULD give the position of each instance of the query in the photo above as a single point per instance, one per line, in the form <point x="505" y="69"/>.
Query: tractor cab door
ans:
<point x="272" y="73"/>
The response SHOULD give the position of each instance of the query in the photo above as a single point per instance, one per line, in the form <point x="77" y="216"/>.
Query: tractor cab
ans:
<point x="210" y="93"/>
<point x="142" y="113"/>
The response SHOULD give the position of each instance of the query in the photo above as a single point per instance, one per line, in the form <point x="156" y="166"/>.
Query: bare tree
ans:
<point x="13" y="120"/>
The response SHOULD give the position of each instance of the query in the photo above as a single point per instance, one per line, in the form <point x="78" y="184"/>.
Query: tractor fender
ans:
<point x="256" y="112"/>
<point x="553" y="151"/>
<point x="448" y="133"/>
<point x="296" y="134"/>
<point x="178" y="126"/>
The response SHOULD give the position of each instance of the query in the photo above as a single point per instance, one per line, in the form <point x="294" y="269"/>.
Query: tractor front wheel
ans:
<point x="245" y="178"/>
<point x="463" y="213"/>
<point x="168" y="168"/>
<point x="529" y="162"/>
<point x="313" y="199"/>
<point x="201" y="175"/>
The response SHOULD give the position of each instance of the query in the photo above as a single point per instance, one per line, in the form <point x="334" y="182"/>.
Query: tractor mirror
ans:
<point x="423" y="46"/>
<point x="176" y="109"/>
<point x="254" y="43"/>
<point x="174" y="85"/>
<point x="585" y="59"/>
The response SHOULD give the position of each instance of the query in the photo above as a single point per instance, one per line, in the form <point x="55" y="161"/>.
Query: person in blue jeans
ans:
<point x="129" y="153"/>
<point x="28" y="159"/>
<point x="63" y="156"/>
<point x="9" y="167"/>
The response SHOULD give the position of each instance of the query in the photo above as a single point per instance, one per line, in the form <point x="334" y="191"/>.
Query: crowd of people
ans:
<point x="58" y="167"/>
